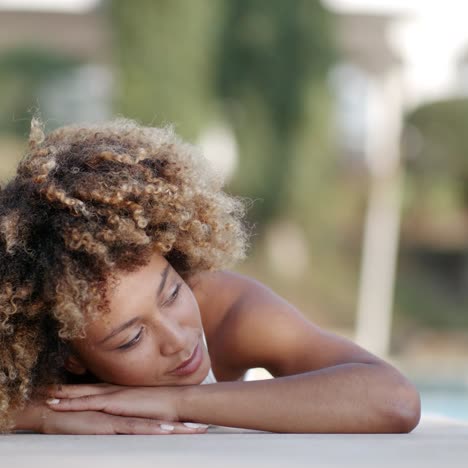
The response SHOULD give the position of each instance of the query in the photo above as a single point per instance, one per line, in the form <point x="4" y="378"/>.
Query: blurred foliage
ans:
<point x="432" y="283"/>
<point x="436" y="156"/>
<point x="440" y="128"/>
<point x="163" y="53"/>
<point x="270" y="54"/>
<point x="23" y="71"/>
<point x="327" y="203"/>
<point x="175" y="59"/>
<point x="432" y="296"/>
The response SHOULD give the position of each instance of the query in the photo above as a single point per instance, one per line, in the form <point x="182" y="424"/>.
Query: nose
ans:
<point x="172" y="337"/>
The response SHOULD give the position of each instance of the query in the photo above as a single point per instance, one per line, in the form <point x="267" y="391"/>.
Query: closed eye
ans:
<point x="133" y="341"/>
<point x="174" y="295"/>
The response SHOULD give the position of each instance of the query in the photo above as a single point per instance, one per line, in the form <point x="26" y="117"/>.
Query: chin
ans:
<point x="202" y="373"/>
<point x="199" y="376"/>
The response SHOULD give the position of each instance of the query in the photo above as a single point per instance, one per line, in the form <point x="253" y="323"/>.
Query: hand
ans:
<point x="94" y="422"/>
<point x="40" y="418"/>
<point x="143" y="402"/>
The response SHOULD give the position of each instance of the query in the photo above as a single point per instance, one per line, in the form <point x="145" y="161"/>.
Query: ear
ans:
<point x="74" y="365"/>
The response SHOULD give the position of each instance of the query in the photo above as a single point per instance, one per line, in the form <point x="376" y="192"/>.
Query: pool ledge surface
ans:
<point x="435" y="442"/>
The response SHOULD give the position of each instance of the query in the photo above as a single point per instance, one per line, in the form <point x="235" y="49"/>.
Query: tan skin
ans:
<point x="323" y="382"/>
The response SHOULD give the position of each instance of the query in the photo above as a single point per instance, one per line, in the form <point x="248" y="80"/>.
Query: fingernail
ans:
<point x="167" y="427"/>
<point x="195" y="425"/>
<point x="53" y="401"/>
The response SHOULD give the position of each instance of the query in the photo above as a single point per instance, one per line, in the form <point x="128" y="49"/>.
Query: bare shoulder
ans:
<point x="220" y="295"/>
<point x="217" y="293"/>
<point x="243" y="319"/>
<point x="252" y="326"/>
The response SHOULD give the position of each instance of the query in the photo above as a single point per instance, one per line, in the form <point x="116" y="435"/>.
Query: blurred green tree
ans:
<point x="432" y="282"/>
<point x="269" y="53"/>
<point x="175" y="58"/>
<point x="163" y="53"/>
<point x="443" y="146"/>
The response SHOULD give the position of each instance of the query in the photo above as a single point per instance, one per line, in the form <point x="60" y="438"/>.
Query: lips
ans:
<point x="190" y="365"/>
<point x="188" y="360"/>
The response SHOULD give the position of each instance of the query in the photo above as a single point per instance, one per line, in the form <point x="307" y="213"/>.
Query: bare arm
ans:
<point x="351" y="397"/>
<point x="324" y="383"/>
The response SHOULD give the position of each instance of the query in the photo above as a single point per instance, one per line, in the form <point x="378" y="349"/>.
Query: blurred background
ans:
<point x="344" y="122"/>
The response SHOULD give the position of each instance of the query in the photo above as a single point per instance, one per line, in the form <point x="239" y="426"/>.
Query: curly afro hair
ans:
<point x="88" y="201"/>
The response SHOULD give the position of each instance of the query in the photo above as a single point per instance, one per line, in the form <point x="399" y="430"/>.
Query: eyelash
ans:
<point x="174" y="295"/>
<point x="132" y="342"/>
<point x="135" y="340"/>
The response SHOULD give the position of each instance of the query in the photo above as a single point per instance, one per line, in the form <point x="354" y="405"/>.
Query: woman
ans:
<point x="113" y="240"/>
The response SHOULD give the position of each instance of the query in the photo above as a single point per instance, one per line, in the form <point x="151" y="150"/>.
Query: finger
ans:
<point x="149" y="426"/>
<point x="197" y="427"/>
<point x="74" y="391"/>
<point x="84" y="403"/>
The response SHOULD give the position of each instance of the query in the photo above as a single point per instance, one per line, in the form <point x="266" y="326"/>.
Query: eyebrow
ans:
<point x="132" y="321"/>
<point x="122" y="327"/>
<point x="163" y="281"/>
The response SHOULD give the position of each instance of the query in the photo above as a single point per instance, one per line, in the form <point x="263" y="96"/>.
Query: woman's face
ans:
<point x="154" y="326"/>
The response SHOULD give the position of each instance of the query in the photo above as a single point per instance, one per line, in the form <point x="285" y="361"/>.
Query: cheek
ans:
<point x="136" y="367"/>
<point x="188" y="309"/>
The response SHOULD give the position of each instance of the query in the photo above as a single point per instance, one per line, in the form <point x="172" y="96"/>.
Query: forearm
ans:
<point x="347" y="398"/>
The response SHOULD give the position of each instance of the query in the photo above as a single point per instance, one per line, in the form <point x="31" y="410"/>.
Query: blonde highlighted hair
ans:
<point x="86" y="202"/>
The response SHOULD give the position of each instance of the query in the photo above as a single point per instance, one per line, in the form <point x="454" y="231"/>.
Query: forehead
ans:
<point x="136" y="282"/>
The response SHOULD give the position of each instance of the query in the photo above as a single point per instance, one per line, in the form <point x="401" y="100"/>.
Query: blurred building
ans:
<point x="366" y="56"/>
<point x="85" y="92"/>
<point x="83" y="35"/>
